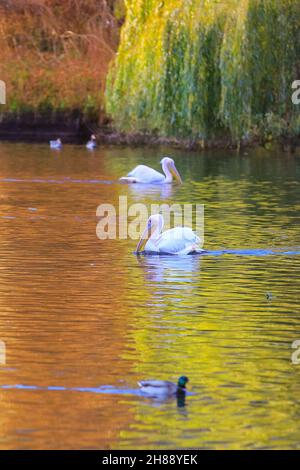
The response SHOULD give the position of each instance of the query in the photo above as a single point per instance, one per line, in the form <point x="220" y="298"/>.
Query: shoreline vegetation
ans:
<point x="55" y="57"/>
<point x="153" y="73"/>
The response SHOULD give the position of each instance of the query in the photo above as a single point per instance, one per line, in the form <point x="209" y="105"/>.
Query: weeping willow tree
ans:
<point x="203" y="68"/>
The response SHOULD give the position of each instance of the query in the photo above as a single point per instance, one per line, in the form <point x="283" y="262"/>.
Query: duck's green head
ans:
<point x="182" y="381"/>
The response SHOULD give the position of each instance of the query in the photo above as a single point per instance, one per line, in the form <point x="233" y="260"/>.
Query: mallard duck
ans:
<point x="158" y="388"/>
<point x="56" y="144"/>
<point x="145" y="174"/>
<point x="92" y="144"/>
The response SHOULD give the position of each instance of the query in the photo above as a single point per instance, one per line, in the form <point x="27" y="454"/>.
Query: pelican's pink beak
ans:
<point x="175" y="173"/>
<point x="143" y="240"/>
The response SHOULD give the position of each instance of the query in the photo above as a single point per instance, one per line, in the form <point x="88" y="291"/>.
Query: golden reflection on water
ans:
<point x="80" y="312"/>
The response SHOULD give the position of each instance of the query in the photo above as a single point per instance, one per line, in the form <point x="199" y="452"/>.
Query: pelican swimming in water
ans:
<point x="176" y="241"/>
<point x="145" y="174"/>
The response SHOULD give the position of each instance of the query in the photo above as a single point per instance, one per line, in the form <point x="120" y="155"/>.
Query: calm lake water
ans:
<point x="83" y="320"/>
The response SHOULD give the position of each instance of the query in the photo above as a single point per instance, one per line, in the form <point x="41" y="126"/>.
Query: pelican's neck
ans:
<point x="167" y="172"/>
<point x="157" y="229"/>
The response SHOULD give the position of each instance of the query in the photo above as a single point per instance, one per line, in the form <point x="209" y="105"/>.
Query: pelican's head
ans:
<point x="155" y="223"/>
<point x="169" y="163"/>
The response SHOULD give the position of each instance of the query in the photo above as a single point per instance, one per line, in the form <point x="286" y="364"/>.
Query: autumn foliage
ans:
<point x="55" y="53"/>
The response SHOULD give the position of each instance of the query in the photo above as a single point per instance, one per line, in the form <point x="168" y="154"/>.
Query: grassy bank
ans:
<point x="207" y="70"/>
<point x="55" y="55"/>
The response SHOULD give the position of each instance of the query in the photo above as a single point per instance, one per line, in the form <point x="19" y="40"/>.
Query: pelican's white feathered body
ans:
<point x="179" y="240"/>
<point x="146" y="175"/>
<point x="176" y="241"/>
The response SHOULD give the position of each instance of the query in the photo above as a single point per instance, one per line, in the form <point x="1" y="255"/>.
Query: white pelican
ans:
<point x="56" y="144"/>
<point x="92" y="144"/>
<point x="177" y="241"/>
<point x="145" y="174"/>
